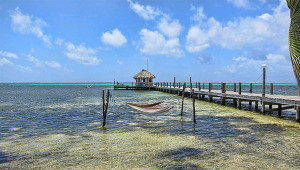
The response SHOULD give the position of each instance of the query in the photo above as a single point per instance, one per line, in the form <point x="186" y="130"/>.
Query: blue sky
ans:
<point x="99" y="41"/>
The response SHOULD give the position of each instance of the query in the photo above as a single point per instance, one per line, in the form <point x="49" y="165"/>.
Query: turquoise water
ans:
<point x="59" y="127"/>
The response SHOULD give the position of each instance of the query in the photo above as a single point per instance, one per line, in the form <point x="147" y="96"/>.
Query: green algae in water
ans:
<point x="67" y="134"/>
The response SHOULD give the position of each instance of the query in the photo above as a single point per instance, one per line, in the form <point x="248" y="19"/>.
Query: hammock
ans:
<point x="152" y="111"/>
<point x="144" y="105"/>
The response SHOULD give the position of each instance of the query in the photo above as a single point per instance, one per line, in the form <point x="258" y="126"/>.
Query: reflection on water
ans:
<point x="58" y="127"/>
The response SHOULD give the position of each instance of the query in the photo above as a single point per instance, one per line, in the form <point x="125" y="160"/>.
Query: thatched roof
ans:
<point x="143" y="74"/>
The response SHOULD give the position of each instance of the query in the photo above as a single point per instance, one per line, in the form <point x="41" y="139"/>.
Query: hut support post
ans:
<point x="271" y="93"/>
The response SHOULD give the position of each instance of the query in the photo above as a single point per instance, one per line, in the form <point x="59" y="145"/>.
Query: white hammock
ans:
<point x="153" y="110"/>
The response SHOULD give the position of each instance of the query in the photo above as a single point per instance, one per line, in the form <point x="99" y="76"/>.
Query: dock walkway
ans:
<point x="236" y="97"/>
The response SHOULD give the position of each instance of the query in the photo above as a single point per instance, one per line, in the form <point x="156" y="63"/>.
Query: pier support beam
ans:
<point x="256" y="105"/>
<point x="298" y="113"/>
<point x="263" y="107"/>
<point x="239" y="104"/>
<point x="250" y="91"/>
<point x="279" y="110"/>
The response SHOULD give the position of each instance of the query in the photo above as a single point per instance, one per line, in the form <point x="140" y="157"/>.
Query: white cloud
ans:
<point x="4" y="61"/>
<point x="114" y="38"/>
<point x="34" y="60"/>
<point x="171" y="29"/>
<point x="240" y="3"/>
<point x="8" y="54"/>
<point x="27" y="24"/>
<point x="39" y="63"/>
<point x="119" y="62"/>
<point x="53" y="64"/>
<point x="199" y="15"/>
<point x="269" y="30"/>
<point x="147" y="12"/>
<point x="82" y="54"/>
<point x="154" y="43"/>
<point x="276" y="64"/>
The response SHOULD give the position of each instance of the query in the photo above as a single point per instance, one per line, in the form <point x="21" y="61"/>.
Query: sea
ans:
<point x="59" y="126"/>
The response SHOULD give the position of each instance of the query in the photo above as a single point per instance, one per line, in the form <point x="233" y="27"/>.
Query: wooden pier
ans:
<point x="236" y="97"/>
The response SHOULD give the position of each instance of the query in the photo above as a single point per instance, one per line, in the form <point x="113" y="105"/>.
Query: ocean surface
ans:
<point x="59" y="126"/>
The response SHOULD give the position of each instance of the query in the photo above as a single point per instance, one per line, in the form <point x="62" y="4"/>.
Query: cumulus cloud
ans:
<point x="8" y="54"/>
<point x="154" y="43"/>
<point x="80" y="54"/>
<point x="34" y="60"/>
<point x="267" y="29"/>
<point x="39" y="63"/>
<point x="27" y="24"/>
<point x="114" y="38"/>
<point x="147" y="12"/>
<point x="53" y="64"/>
<point x="170" y="29"/>
<point x="276" y="63"/>
<point x="240" y="3"/>
<point x="4" y="61"/>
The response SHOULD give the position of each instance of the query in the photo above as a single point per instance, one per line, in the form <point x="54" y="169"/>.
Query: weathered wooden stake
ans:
<point x="199" y="86"/>
<point x="234" y="90"/>
<point x="196" y="85"/>
<point x="191" y="86"/>
<point x="250" y="91"/>
<point x="298" y="113"/>
<point x="203" y="86"/>
<point x="174" y="82"/>
<point x="279" y="110"/>
<point x="184" y="85"/>
<point x="264" y="81"/>
<point x="105" y="106"/>
<point x="194" y="110"/>
<point x="223" y="89"/>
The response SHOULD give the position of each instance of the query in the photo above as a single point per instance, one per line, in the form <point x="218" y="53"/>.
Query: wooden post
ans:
<point x="234" y="90"/>
<point x="234" y="87"/>
<point x="191" y="86"/>
<point x="203" y="86"/>
<point x="223" y="89"/>
<point x="298" y="113"/>
<point x="199" y="86"/>
<point x="196" y="85"/>
<point x="184" y="85"/>
<point x="250" y="91"/>
<point x="279" y="110"/>
<point x="174" y="82"/>
<point x="179" y="85"/>
<point x="264" y="81"/>
<point x="105" y="106"/>
<point x="263" y="108"/>
<point x="256" y="105"/>
<point x="114" y="81"/>
<point x="271" y="88"/>
<point x="240" y="92"/>
<point x="209" y="87"/>
<point x="194" y="110"/>
<point x="271" y="93"/>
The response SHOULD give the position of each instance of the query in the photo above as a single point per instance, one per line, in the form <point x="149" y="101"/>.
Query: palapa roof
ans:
<point x="143" y="74"/>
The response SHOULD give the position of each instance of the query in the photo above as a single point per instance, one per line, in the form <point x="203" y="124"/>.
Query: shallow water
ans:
<point x="60" y="127"/>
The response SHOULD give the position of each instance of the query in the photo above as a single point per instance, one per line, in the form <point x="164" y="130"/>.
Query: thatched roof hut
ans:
<point x="144" y="78"/>
<point x="143" y="74"/>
